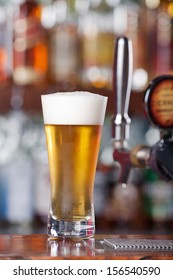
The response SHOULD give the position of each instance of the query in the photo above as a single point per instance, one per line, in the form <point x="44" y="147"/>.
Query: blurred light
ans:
<point x="106" y="156"/>
<point x="113" y="3"/>
<point x="61" y="10"/>
<point x="91" y="29"/>
<point x="140" y="79"/>
<point x="82" y="6"/>
<point x="152" y="4"/>
<point x="124" y="185"/>
<point x="93" y="73"/>
<point x="152" y="136"/>
<point x="120" y="19"/>
<point x="52" y="14"/>
<point x="48" y="17"/>
<point x="97" y="76"/>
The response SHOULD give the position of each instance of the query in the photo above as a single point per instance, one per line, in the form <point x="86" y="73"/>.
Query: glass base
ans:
<point x="71" y="229"/>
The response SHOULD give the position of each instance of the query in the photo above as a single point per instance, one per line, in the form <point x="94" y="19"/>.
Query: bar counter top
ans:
<point x="108" y="247"/>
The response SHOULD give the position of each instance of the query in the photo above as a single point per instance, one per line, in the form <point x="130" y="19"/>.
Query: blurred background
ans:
<point x="48" y="46"/>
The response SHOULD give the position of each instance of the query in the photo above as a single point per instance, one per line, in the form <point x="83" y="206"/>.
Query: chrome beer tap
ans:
<point x="158" y="104"/>
<point x="122" y="80"/>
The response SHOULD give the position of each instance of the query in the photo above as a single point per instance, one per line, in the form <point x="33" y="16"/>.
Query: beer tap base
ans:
<point x="84" y="228"/>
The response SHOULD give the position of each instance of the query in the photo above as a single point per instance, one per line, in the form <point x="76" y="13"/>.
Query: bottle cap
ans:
<point x="158" y="101"/>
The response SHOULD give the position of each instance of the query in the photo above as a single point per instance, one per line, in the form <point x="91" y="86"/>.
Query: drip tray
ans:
<point x="135" y="244"/>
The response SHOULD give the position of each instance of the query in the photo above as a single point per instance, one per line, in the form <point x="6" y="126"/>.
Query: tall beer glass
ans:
<point x="73" y="126"/>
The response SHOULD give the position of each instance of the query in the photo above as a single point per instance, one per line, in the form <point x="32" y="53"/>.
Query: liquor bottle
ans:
<point x="96" y="29"/>
<point x="5" y="43"/>
<point x="148" y="23"/>
<point x="135" y="31"/>
<point x="63" y="46"/>
<point x="30" y="53"/>
<point x="164" y="62"/>
<point x="16" y="175"/>
<point x="158" y="22"/>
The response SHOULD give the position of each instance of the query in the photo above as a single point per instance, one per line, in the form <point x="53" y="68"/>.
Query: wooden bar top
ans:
<point x="110" y="247"/>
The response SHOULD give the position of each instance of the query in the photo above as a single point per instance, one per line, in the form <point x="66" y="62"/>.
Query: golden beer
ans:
<point x="72" y="168"/>
<point x="73" y="126"/>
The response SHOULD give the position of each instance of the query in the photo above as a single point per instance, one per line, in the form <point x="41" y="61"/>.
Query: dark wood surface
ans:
<point x="40" y="246"/>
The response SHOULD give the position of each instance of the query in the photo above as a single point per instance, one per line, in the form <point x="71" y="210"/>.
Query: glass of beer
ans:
<point x="73" y="125"/>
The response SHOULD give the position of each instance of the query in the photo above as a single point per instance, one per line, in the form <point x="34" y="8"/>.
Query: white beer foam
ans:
<point x="78" y="107"/>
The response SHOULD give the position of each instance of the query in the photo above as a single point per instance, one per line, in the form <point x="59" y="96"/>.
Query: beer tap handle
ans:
<point x="158" y="102"/>
<point x="122" y="80"/>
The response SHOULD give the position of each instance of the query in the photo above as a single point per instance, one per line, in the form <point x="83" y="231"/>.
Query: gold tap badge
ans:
<point x="159" y="101"/>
